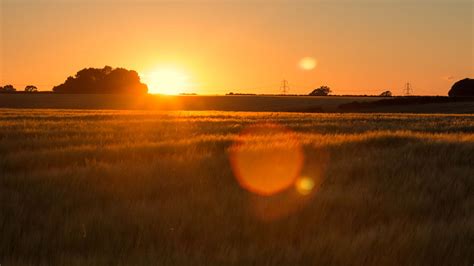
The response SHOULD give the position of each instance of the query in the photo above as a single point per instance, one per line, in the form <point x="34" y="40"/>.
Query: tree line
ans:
<point x="10" y="88"/>
<point x="461" y="88"/>
<point x="105" y="80"/>
<point x="325" y="91"/>
<point x="108" y="80"/>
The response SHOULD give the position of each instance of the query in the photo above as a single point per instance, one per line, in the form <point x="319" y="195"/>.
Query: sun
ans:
<point x="170" y="81"/>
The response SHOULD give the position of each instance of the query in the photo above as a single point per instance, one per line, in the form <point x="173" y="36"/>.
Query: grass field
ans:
<point x="140" y="188"/>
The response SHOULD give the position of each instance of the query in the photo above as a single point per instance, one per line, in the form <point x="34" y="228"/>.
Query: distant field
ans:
<point x="248" y="103"/>
<point x="158" y="188"/>
<point x="193" y="103"/>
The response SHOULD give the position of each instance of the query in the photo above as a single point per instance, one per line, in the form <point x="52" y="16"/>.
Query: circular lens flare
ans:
<point x="304" y="185"/>
<point x="266" y="158"/>
<point x="308" y="63"/>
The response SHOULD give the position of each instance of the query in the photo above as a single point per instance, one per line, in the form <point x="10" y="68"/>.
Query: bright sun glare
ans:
<point x="169" y="81"/>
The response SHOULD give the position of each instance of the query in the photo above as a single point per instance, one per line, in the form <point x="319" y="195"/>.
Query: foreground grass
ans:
<point x="140" y="188"/>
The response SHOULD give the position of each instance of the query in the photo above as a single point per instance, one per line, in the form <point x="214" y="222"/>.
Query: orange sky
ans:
<point x="362" y="47"/>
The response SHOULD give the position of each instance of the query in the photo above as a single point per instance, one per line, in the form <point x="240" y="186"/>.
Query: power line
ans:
<point x="284" y="87"/>
<point x="408" y="89"/>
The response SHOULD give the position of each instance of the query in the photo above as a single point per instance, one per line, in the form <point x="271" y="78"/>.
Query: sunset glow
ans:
<point x="355" y="47"/>
<point x="168" y="81"/>
<point x="236" y="132"/>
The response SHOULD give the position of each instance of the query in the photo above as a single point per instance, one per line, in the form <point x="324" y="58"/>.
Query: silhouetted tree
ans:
<point x="8" y="88"/>
<point x="105" y="80"/>
<point x="462" y="88"/>
<point x="321" y="91"/>
<point x="31" y="88"/>
<point x="386" y="94"/>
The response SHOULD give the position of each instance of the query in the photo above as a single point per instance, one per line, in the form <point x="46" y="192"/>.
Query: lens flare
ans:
<point x="304" y="185"/>
<point x="308" y="63"/>
<point x="266" y="159"/>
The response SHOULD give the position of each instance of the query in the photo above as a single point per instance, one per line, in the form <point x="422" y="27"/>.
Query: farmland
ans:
<point x="148" y="187"/>
<point x="189" y="103"/>
<point x="245" y="103"/>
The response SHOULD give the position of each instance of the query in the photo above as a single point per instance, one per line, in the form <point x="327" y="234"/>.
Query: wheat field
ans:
<point x="88" y="187"/>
